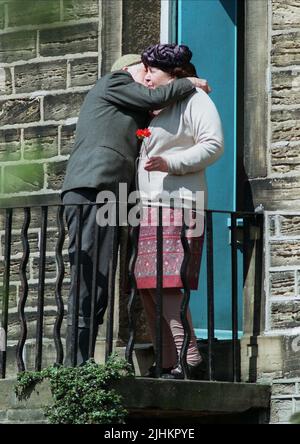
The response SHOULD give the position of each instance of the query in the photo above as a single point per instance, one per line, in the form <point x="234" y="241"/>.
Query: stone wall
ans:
<point x="273" y="172"/>
<point x="277" y="185"/>
<point x="50" y="56"/>
<point x="282" y="231"/>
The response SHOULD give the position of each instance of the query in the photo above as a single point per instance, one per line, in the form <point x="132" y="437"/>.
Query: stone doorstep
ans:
<point x="193" y="396"/>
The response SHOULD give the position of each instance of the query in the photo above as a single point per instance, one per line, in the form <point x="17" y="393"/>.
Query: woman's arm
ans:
<point x="204" y="120"/>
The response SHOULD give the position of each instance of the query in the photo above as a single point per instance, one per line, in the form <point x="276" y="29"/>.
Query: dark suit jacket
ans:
<point x="106" y="145"/>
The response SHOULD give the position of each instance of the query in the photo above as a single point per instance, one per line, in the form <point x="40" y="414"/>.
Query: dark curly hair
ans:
<point x="171" y="58"/>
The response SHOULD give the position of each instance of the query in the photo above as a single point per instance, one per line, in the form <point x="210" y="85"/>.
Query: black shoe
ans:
<point x="198" y="372"/>
<point x="151" y="373"/>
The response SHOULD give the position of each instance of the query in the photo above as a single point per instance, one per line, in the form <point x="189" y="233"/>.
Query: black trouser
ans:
<point x="108" y="250"/>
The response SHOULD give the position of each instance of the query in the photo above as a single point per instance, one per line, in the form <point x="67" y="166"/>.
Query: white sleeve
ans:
<point x="204" y="121"/>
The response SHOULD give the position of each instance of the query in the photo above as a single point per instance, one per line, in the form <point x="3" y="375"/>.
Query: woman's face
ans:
<point x="156" y="77"/>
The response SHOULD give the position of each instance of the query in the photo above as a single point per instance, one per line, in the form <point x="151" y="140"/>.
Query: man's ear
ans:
<point x="125" y="68"/>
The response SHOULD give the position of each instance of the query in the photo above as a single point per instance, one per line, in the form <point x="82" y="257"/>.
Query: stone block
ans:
<point x="298" y="281"/>
<point x="290" y="225"/>
<point x="23" y="177"/>
<point x="285" y="253"/>
<point x="285" y="158"/>
<point x="141" y="25"/>
<point x="69" y="40"/>
<point x="3" y="416"/>
<point x="282" y="283"/>
<point x="14" y="330"/>
<point x="17" y="246"/>
<point x="40" y="142"/>
<point x="56" y="174"/>
<point x="49" y="294"/>
<point x="50" y="267"/>
<point x="16" y="46"/>
<point x="76" y="9"/>
<point x="291" y="356"/>
<point x="283" y="388"/>
<point x="14" y="270"/>
<point x="67" y="138"/>
<point x="281" y="410"/>
<point x="285" y="125"/>
<point x="27" y="416"/>
<point x="5" y="81"/>
<point x="63" y="106"/>
<point x="10" y="145"/>
<point x="272" y="225"/>
<point x="285" y="314"/>
<point x="286" y="49"/>
<point x="297" y="406"/>
<point x="40" y="76"/>
<point x="19" y="111"/>
<point x="49" y="351"/>
<point x="286" y="14"/>
<point x="84" y="71"/>
<point x="286" y="87"/>
<point x="273" y="192"/>
<point x="12" y="296"/>
<point x="52" y="238"/>
<point x="32" y="12"/>
<point x="2" y="19"/>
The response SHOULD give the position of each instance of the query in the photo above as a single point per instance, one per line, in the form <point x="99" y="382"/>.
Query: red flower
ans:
<point x="142" y="133"/>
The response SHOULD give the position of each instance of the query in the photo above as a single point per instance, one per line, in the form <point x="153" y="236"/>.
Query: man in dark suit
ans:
<point x="103" y="156"/>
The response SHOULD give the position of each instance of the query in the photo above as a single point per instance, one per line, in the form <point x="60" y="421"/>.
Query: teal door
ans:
<point x="209" y="28"/>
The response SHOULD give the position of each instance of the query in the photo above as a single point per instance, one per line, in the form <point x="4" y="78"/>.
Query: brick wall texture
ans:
<point x="50" y="56"/>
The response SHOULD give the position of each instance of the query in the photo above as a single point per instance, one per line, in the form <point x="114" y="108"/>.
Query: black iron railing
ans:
<point x="250" y="220"/>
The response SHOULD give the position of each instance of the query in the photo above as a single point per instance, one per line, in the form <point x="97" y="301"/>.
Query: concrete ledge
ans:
<point x="193" y="396"/>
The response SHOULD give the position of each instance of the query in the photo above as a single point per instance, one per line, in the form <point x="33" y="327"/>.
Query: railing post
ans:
<point x="159" y="289"/>
<point x="234" y="299"/>
<point x="186" y="297"/>
<point x="210" y="290"/>
<point x="24" y="291"/>
<point x="41" y="290"/>
<point x="58" y="285"/>
<point x="5" y="300"/>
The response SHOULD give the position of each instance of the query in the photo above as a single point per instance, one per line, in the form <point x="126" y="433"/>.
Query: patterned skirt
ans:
<point x="145" y="267"/>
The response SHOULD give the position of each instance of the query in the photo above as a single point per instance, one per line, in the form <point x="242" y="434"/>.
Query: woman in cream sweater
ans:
<point x="185" y="139"/>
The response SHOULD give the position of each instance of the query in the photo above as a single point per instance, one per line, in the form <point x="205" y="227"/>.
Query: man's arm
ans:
<point x="122" y="90"/>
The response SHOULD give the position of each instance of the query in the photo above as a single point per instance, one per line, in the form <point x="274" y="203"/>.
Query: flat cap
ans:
<point x="126" y="60"/>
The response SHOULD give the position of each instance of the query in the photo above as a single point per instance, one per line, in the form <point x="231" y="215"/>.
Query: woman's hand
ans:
<point x="157" y="163"/>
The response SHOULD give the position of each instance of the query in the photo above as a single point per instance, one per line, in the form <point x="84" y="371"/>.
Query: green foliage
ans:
<point x="81" y="395"/>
